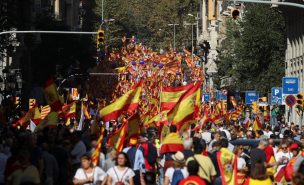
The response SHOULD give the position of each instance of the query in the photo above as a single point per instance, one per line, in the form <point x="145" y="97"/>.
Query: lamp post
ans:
<point x="174" y="25"/>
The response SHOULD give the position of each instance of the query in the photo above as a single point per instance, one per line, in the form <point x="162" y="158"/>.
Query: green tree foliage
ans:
<point x="254" y="49"/>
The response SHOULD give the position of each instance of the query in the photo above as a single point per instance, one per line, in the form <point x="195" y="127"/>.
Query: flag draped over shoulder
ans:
<point x="182" y="103"/>
<point x="52" y="97"/>
<point x="228" y="166"/>
<point x="171" y="143"/>
<point x="127" y="102"/>
<point x="117" y="139"/>
<point x="96" y="153"/>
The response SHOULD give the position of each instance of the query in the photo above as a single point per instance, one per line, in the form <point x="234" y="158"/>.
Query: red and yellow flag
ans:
<point x="233" y="101"/>
<point x="183" y="105"/>
<point x="171" y="143"/>
<point x="228" y="166"/>
<point x="84" y="109"/>
<point x="134" y="127"/>
<point x="117" y="139"/>
<point x="96" y="153"/>
<point x="33" y="114"/>
<point x="45" y="110"/>
<point x="127" y="102"/>
<point x="257" y="124"/>
<point x="52" y="97"/>
<point x="69" y="110"/>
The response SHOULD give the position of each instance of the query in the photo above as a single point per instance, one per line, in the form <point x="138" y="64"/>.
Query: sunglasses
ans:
<point x="284" y="148"/>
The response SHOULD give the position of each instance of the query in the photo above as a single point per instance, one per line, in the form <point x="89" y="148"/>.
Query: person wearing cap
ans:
<point x="178" y="172"/>
<point x="300" y="158"/>
<point x="295" y="149"/>
<point x="136" y="159"/>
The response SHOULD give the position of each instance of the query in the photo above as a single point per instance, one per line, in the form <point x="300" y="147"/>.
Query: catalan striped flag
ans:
<point x="45" y="110"/>
<point x="128" y="102"/>
<point x="52" y="97"/>
<point x="95" y="156"/>
<point x="33" y="114"/>
<point x="117" y="139"/>
<point x="183" y="105"/>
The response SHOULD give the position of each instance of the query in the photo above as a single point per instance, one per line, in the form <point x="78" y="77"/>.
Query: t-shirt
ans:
<point x="123" y="176"/>
<point x="98" y="175"/>
<point x="28" y="175"/>
<point x="256" y="155"/>
<point x="170" y="171"/>
<point x="195" y="180"/>
<point x="241" y="163"/>
<point x="251" y="181"/>
<point x="206" y="167"/>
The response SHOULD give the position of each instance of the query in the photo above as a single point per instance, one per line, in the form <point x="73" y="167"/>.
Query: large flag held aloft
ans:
<point x="51" y="95"/>
<point x="187" y="106"/>
<point x="128" y="102"/>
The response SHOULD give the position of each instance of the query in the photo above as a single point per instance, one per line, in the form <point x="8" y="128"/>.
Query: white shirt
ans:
<point x="268" y="134"/>
<point x="123" y="176"/>
<point x="98" y="175"/>
<point x="206" y="136"/>
<point x="280" y="154"/>
<point x="241" y="163"/>
<point x="170" y="171"/>
<point x="78" y="151"/>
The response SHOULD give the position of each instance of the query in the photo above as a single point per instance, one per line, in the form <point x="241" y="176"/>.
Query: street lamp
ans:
<point x="173" y="34"/>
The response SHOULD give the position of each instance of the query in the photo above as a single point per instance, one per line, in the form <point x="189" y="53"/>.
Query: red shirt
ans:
<point x="193" y="180"/>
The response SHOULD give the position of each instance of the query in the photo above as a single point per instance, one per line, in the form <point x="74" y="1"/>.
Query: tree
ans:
<point x="254" y="50"/>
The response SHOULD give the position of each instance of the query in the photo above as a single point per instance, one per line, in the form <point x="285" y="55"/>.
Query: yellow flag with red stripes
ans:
<point x="96" y="153"/>
<point x="117" y="138"/>
<point x="128" y="102"/>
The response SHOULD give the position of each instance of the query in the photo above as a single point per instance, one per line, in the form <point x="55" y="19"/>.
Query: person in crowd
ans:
<point x="298" y="177"/>
<point x="206" y="167"/>
<point x="3" y="160"/>
<point x="50" y="170"/>
<point x="283" y="156"/>
<point x="87" y="174"/>
<point x="258" y="154"/>
<point x="258" y="175"/>
<point x="193" y="178"/>
<point x="206" y="134"/>
<point x="178" y="172"/>
<point x="241" y="164"/>
<point x="150" y="157"/>
<point x="78" y="151"/>
<point x="111" y="160"/>
<point x="188" y="148"/>
<point x="137" y="160"/>
<point x="216" y="137"/>
<point x="121" y="173"/>
<point x="26" y="173"/>
<point x="168" y="151"/>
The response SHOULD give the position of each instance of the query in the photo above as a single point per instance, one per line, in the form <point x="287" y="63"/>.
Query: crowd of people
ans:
<point x="215" y="154"/>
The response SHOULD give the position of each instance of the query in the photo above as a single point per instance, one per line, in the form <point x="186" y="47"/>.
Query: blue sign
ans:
<point x="220" y="96"/>
<point x="276" y="95"/>
<point x="251" y="96"/>
<point x="290" y="85"/>
<point x="206" y="97"/>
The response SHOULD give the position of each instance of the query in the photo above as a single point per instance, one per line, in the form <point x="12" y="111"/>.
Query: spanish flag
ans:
<point x="127" y="102"/>
<point x="233" y="101"/>
<point x="96" y="153"/>
<point x="257" y="124"/>
<point x="227" y="162"/>
<point x="187" y="106"/>
<point x="52" y="97"/>
<point x="51" y="120"/>
<point x="171" y="143"/>
<point x="134" y="127"/>
<point x="117" y="139"/>
<point x="84" y="109"/>
<point x="69" y="110"/>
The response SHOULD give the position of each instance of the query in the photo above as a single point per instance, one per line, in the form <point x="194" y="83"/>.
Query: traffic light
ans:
<point x="100" y="38"/>
<point x="300" y="102"/>
<point x="234" y="12"/>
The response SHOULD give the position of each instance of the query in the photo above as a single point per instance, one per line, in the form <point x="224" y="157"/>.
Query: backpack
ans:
<point x="177" y="177"/>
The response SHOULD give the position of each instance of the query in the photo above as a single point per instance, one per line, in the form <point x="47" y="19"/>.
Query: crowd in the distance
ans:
<point x="61" y="156"/>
